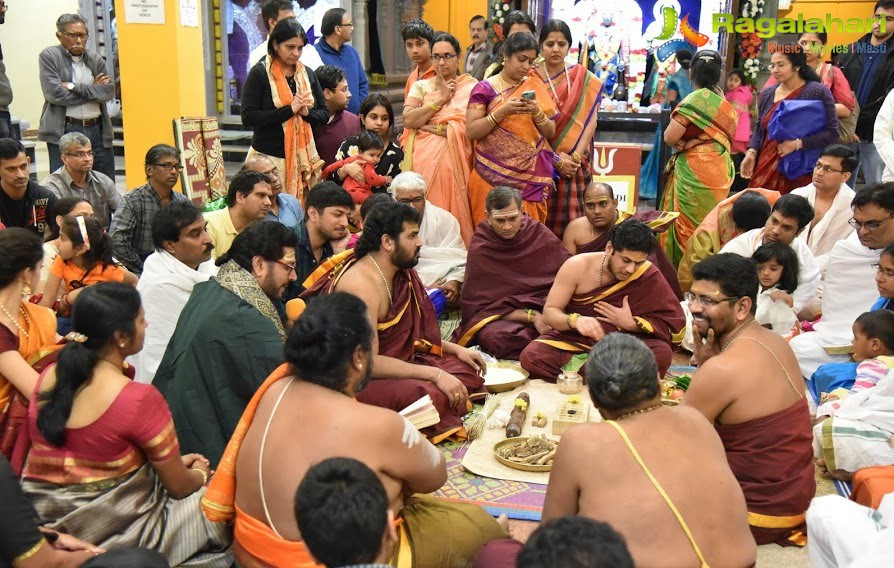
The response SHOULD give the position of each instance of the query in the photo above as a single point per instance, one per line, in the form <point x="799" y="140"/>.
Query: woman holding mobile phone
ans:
<point x="512" y="116"/>
<point x="435" y="141"/>
<point x="576" y="93"/>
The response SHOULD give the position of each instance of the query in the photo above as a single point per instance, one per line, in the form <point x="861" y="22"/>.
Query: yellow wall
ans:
<point x="453" y="16"/>
<point x="27" y="31"/>
<point x="162" y="78"/>
<point x="842" y="9"/>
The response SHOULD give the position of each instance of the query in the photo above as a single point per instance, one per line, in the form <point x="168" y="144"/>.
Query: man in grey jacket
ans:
<point x="76" y="86"/>
<point x="5" y="88"/>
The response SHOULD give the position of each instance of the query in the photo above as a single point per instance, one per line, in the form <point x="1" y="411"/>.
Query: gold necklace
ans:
<point x="385" y="280"/>
<point x="734" y="335"/>
<point x="506" y="86"/>
<point x="655" y="406"/>
<point x="15" y="321"/>
<point x="549" y="81"/>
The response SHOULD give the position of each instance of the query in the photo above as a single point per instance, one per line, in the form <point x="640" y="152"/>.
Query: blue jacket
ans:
<point x="349" y="60"/>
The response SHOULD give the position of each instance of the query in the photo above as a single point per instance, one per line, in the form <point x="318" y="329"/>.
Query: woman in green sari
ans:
<point x="701" y="170"/>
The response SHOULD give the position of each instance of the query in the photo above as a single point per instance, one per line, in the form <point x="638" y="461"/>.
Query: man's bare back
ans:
<point x="313" y="423"/>
<point x="595" y="475"/>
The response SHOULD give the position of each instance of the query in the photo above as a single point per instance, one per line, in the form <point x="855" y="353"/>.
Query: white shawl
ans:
<point x="832" y="227"/>
<point x="164" y="286"/>
<point x="443" y="254"/>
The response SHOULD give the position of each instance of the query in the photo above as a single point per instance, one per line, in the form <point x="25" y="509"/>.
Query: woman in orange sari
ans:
<point x="511" y="116"/>
<point x="282" y="101"/>
<point x="25" y="329"/>
<point x="700" y="173"/>
<point x="795" y="81"/>
<point x="576" y="92"/>
<point x="435" y="144"/>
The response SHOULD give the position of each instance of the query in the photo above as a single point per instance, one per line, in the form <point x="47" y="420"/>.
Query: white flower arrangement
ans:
<point x="751" y="68"/>
<point x="752" y="8"/>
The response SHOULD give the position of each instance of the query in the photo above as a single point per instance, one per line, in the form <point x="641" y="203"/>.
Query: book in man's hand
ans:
<point x="422" y="413"/>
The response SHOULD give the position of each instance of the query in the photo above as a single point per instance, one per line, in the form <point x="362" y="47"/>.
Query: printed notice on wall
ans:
<point x="144" y="11"/>
<point x="189" y="13"/>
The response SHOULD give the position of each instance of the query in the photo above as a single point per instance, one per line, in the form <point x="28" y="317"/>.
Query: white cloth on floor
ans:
<point x="164" y="287"/>
<point x="848" y="291"/>
<point x="844" y="534"/>
<point x="443" y="254"/>
<point x="808" y="271"/>
<point x="833" y="227"/>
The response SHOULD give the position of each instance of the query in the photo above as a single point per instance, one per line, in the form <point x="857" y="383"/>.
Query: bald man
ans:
<point x="285" y="208"/>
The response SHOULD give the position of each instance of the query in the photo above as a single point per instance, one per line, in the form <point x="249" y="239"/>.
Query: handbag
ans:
<point x="847" y="126"/>
<point x="795" y="119"/>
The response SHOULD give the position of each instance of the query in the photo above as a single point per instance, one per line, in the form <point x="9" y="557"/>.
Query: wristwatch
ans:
<point x="69" y="86"/>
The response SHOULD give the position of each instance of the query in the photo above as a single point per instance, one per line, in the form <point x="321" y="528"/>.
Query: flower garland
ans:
<point x="750" y="43"/>
<point x="498" y="11"/>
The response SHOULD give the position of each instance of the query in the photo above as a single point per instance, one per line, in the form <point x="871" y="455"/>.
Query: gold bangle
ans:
<point x="576" y="156"/>
<point x="434" y="106"/>
<point x="435" y="382"/>
<point x="492" y="120"/>
<point x="530" y="313"/>
<point x="572" y="319"/>
<point x="439" y="130"/>
<point x="541" y="122"/>
<point x="204" y="475"/>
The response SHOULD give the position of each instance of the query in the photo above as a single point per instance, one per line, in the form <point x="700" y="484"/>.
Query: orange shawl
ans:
<point x="303" y="164"/>
<point x="219" y="502"/>
<point x="445" y="162"/>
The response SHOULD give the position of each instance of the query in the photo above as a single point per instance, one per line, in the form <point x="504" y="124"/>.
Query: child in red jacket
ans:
<point x="371" y="147"/>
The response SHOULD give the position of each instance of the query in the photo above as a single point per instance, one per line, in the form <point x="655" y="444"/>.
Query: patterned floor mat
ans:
<point x="523" y="501"/>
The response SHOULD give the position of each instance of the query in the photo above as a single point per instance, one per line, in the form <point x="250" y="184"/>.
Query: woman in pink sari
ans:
<point x="435" y="143"/>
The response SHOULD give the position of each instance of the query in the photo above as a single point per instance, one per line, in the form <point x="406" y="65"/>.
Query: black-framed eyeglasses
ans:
<point x="87" y="154"/>
<point x="705" y="301"/>
<point x="170" y="167"/>
<point x="826" y="169"/>
<point x="886" y="271"/>
<point x="868" y="225"/>
<point x="414" y="201"/>
<point x="287" y="266"/>
<point x="73" y="36"/>
<point x="445" y="57"/>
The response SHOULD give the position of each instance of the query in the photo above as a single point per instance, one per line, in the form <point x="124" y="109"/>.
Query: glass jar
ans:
<point x="570" y="382"/>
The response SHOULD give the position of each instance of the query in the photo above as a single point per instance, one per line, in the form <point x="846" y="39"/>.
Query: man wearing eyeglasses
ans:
<point x="5" y="88"/>
<point x="337" y="29"/>
<point x="788" y="218"/>
<point x="830" y="197"/>
<point x="749" y="387"/>
<point x="76" y="86"/>
<point x="848" y="288"/>
<point x="131" y="227"/>
<point x="77" y="178"/>
<point x="228" y="339"/>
